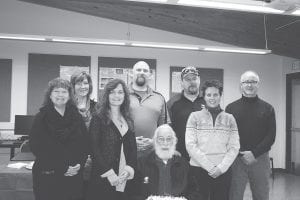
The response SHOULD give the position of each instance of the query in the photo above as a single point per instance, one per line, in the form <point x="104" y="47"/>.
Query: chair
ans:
<point x="272" y="167"/>
<point x="25" y="146"/>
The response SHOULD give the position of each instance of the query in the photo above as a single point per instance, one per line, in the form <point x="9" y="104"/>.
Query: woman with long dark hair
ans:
<point x="113" y="143"/>
<point x="59" y="142"/>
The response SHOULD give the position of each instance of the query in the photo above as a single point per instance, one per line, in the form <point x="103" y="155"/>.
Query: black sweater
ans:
<point x="256" y="124"/>
<point x="58" y="141"/>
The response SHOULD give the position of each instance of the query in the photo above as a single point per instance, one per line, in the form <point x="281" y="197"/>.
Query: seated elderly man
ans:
<point x="162" y="172"/>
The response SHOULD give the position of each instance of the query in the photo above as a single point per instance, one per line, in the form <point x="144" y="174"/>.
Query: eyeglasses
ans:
<point x="250" y="82"/>
<point x="162" y="140"/>
<point x="142" y="70"/>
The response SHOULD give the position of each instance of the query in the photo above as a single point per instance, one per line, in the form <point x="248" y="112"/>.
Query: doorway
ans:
<point x="293" y="123"/>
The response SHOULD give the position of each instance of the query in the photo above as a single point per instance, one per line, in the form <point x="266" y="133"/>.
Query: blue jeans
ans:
<point x="258" y="175"/>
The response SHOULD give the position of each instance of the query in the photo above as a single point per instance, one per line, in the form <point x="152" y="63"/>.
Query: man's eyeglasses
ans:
<point x="250" y="82"/>
<point x="162" y="140"/>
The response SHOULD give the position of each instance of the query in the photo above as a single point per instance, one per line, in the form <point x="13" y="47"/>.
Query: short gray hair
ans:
<point x="249" y="72"/>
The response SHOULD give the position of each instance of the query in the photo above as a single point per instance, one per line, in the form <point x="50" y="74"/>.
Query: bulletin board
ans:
<point x="44" y="67"/>
<point x="5" y="89"/>
<point x="205" y="74"/>
<point x="114" y="67"/>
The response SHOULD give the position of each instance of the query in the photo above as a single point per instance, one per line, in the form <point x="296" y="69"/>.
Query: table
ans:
<point x="15" y="184"/>
<point x="24" y="156"/>
<point x="12" y="145"/>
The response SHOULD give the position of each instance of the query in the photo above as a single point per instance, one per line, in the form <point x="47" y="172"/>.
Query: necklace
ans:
<point x="119" y="121"/>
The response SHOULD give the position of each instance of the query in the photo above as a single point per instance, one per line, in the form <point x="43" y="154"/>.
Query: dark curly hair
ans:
<point x="103" y="108"/>
<point x="58" y="83"/>
<point x="212" y="83"/>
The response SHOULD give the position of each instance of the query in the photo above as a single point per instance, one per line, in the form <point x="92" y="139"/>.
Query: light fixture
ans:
<point x="237" y="50"/>
<point x="229" y="6"/>
<point x="18" y="37"/>
<point x="130" y="43"/>
<point x="151" y="1"/>
<point x="88" y="41"/>
<point x="165" y="46"/>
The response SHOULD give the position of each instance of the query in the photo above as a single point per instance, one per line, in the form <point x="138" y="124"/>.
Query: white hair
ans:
<point x="164" y="127"/>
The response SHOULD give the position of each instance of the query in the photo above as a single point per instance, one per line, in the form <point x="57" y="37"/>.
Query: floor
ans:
<point x="282" y="187"/>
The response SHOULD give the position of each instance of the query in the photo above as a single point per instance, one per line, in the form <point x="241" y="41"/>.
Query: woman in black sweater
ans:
<point x="113" y="143"/>
<point x="59" y="142"/>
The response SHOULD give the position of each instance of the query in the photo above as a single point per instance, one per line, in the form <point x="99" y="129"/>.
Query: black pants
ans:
<point x="201" y="186"/>
<point x="56" y="186"/>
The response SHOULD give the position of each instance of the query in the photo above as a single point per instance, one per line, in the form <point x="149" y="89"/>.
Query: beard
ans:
<point x="140" y="81"/>
<point x="165" y="154"/>
<point x="193" y="89"/>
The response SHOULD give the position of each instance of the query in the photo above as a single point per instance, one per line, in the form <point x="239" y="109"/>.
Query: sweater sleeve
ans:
<point x="131" y="160"/>
<point x="268" y="141"/>
<point x="95" y="132"/>
<point x="191" y="142"/>
<point x="233" y="146"/>
<point x="45" y="148"/>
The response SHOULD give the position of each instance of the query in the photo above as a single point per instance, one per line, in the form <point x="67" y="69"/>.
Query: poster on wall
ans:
<point x="44" y="67"/>
<point x="113" y="67"/>
<point x="205" y="74"/>
<point x="106" y="74"/>
<point x="66" y="72"/>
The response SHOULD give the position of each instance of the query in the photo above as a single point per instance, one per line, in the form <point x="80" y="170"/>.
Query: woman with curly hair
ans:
<point x="58" y="139"/>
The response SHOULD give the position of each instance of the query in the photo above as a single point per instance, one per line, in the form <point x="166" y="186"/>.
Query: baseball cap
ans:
<point x="189" y="70"/>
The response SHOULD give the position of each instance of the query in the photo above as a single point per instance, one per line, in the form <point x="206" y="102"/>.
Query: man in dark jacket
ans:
<point x="257" y="128"/>
<point x="182" y="105"/>
<point x="161" y="172"/>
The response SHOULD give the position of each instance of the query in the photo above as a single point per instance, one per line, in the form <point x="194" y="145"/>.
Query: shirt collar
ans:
<point x="132" y="91"/>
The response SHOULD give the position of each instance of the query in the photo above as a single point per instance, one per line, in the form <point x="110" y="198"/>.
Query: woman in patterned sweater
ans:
<point x="212" y="142"/>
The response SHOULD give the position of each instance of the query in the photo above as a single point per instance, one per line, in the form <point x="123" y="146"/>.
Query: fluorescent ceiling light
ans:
<point x="166" y="46"/>
<point x="150" y="1"/>
<point x="132" y="43"/>
<point x="237" y="50"/>
<point x="229" y="6"/>
<point x="103" y="42"/>
<point x="12" y="37"/>
<point x="296" y="12"/>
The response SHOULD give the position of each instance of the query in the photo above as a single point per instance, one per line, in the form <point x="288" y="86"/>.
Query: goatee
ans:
<point x="140" y="81"/>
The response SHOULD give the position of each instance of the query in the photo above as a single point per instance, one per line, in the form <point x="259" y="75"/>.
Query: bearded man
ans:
<point x="182" y="105"/>
<point x="149" y="109"/>
<point x="162" y="172"/>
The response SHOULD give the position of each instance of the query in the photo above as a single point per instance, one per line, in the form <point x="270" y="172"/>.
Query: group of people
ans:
<point x="133" y="144"/>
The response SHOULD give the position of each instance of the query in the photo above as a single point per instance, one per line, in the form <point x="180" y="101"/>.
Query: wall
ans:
<point x="34" y="19"/>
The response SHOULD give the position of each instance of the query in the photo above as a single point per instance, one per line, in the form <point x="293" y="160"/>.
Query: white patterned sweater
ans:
<point x="212" y="145"/>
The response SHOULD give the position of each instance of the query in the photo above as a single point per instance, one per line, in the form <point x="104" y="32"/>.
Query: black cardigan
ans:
<point x="147" y="167"/>
<point x="106" y="145"/>
<point x="51" y="152"/>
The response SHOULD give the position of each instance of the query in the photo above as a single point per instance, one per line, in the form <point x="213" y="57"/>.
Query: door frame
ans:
<point x="289" y="79"/>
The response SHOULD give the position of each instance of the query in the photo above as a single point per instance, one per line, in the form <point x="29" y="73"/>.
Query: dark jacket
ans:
<point x="106" y="145"/>
<point x="180" y="108"/>
<point x="57" y="143"/>
<point x="147" y="176"/>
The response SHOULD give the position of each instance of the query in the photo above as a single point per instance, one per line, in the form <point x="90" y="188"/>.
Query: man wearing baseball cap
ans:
<point x="182" y="105"/>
